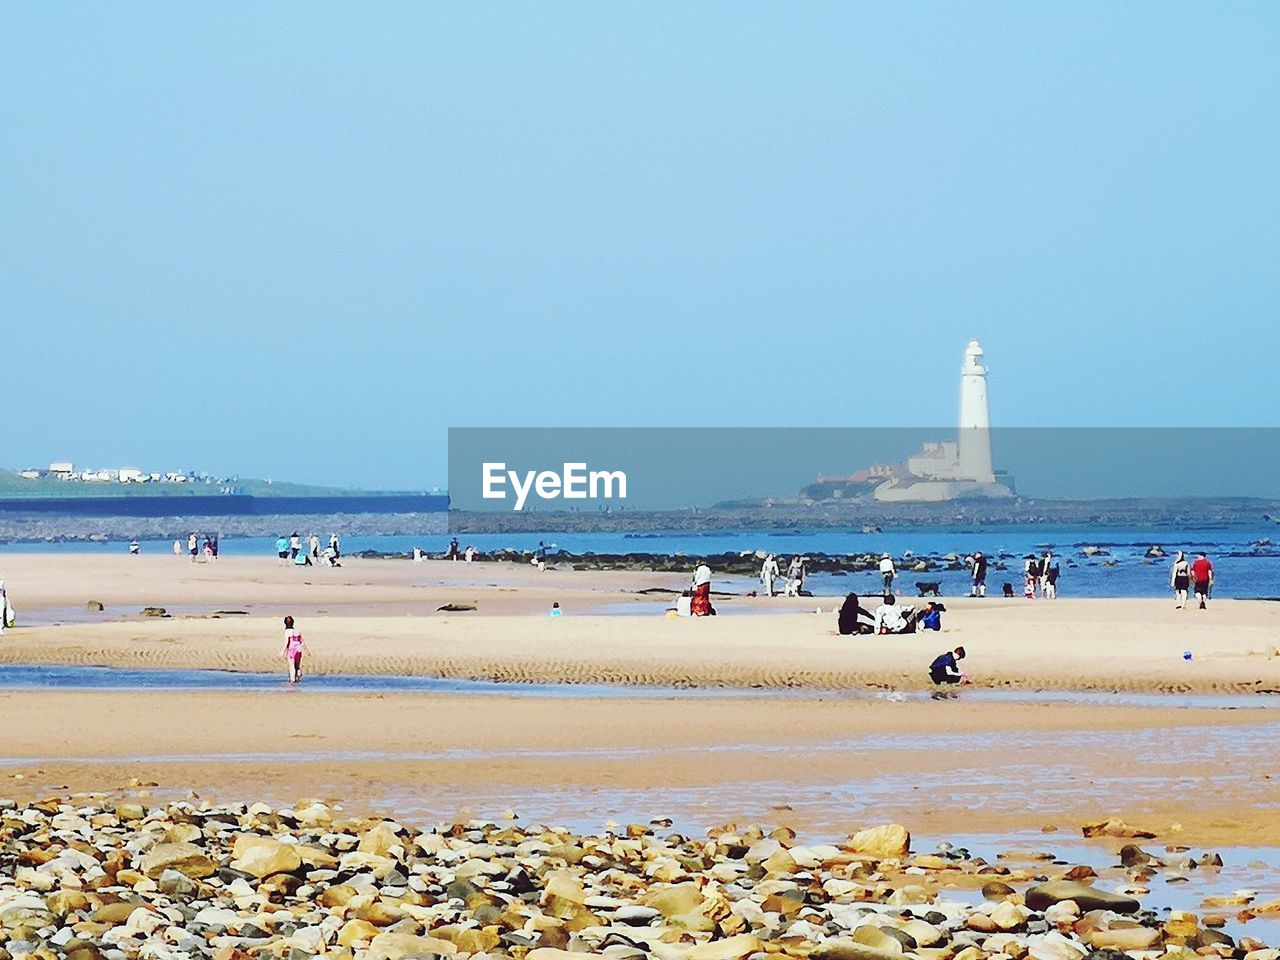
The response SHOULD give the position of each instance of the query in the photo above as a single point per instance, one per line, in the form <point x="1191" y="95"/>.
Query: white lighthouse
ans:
<point x="975" y="423"/>
<point x="954" y="469"/>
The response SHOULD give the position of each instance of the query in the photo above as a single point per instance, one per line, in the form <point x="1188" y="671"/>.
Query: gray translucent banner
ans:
<point x="608" y="471"/>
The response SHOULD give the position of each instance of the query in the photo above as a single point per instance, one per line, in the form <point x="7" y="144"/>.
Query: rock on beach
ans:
<point x="88" y="878"/>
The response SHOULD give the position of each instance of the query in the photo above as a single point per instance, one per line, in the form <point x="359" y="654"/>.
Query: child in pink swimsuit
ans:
<point x="293" y="649"/>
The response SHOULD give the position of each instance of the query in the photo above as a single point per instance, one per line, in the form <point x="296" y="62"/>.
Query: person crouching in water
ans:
<point x="293" y="650"/>
<point x="946" y="669"/>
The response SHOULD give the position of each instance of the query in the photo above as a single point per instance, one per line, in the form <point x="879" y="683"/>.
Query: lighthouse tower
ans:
<point x="975" y="423"/>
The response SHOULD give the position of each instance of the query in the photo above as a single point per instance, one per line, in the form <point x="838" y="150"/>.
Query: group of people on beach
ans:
<point x="290" y="550"/>
<point x="889" y="617"/>
<point x="1183" y="574"/>
<point x="1040" y="575"/>
<point x="194" y="550"/>
<point x="771" y="576"/>
<point x="456" y="552"/>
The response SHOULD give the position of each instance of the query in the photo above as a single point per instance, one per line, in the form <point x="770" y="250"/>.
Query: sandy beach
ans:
<point x="382" y="617"/>
<point x="819" y="752"/>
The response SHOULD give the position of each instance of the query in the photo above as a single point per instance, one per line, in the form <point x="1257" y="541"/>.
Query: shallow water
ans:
<point x="1243" y="868"/>
<point x="58" y="677"/>
<point x="70" y="677"/>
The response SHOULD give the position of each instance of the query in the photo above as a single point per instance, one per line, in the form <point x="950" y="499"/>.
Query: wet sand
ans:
<point x="823" y="766"/>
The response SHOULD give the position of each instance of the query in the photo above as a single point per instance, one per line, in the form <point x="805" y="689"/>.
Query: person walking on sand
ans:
<point x="293" y="650"/>
<point x="888" y="572"/>
<point x="6" y="611"/>
<point x="295" y="546"/>
<point x="336" y="546"/>
<point x="1180" y="580"/>
<point x="1202" y="574"/>
<point x="769" y="572"/>
<point x="177" y="548"/>
<point x="313" y="550"/>
<point x="979" y="575"/>
<point x="193" y="546"/>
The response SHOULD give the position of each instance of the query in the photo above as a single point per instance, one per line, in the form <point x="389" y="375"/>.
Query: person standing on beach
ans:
<point x="282" y="548"/>
<point x="700" y="597"/>
<point x="177" y="548"/>
<point x="295" y="546"/>
<point x="193" y="546"/>
<point x="1030" y="576"/>
<point x="293" y="650"/>
<point x="1202" y="574"/>
<point x="1051" y="573"/>
<point x="795" y="575"/>
<point x="6" y="611"/>
<point x="1042" y="574"/>
<point x="1180" y="580"/>
<point x="979" y="575"/>
<point x="769" y="572"/>
<point x="313" y="550"/>
<point x="887" y="572"/>
<point x="336" y="546"/>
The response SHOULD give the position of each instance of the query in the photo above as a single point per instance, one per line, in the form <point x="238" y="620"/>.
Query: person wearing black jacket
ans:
<point x="946" y="669"/>
<point x="854" y="618"/>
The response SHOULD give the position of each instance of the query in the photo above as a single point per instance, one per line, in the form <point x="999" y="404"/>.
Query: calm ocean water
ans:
<point x="1245" y="564"/>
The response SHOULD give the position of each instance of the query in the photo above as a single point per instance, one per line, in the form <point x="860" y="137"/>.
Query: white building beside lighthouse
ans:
<point x="959" y="469"/>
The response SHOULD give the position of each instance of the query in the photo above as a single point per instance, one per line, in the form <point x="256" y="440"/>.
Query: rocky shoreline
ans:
<point x="782" y="515"/>
<point x="91" y="878"/>
<point x="747" y="563"/>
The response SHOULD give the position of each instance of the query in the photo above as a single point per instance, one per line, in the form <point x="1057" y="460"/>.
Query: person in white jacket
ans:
<point x="6" y="610"/>
<point x="888" y="572"/>
<point x="769" y="573"/>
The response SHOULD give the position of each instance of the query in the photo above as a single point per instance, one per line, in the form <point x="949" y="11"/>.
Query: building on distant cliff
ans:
<point x="946" y="470"/>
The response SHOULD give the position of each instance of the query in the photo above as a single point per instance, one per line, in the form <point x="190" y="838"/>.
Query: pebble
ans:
<point x="86" y="878"/>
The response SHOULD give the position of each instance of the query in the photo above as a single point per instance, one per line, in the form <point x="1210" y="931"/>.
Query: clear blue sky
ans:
<point x="302" y="240"/>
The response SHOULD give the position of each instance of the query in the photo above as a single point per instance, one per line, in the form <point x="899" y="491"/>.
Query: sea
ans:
<point x="1246" y="561"/>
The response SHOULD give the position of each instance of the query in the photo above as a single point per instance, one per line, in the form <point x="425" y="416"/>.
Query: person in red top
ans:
<point x="1202" y="575"/>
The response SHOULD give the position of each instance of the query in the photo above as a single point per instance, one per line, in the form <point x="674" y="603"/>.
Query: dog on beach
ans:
<point x="1008" y="589"/>
<point x="929" y="587"/>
